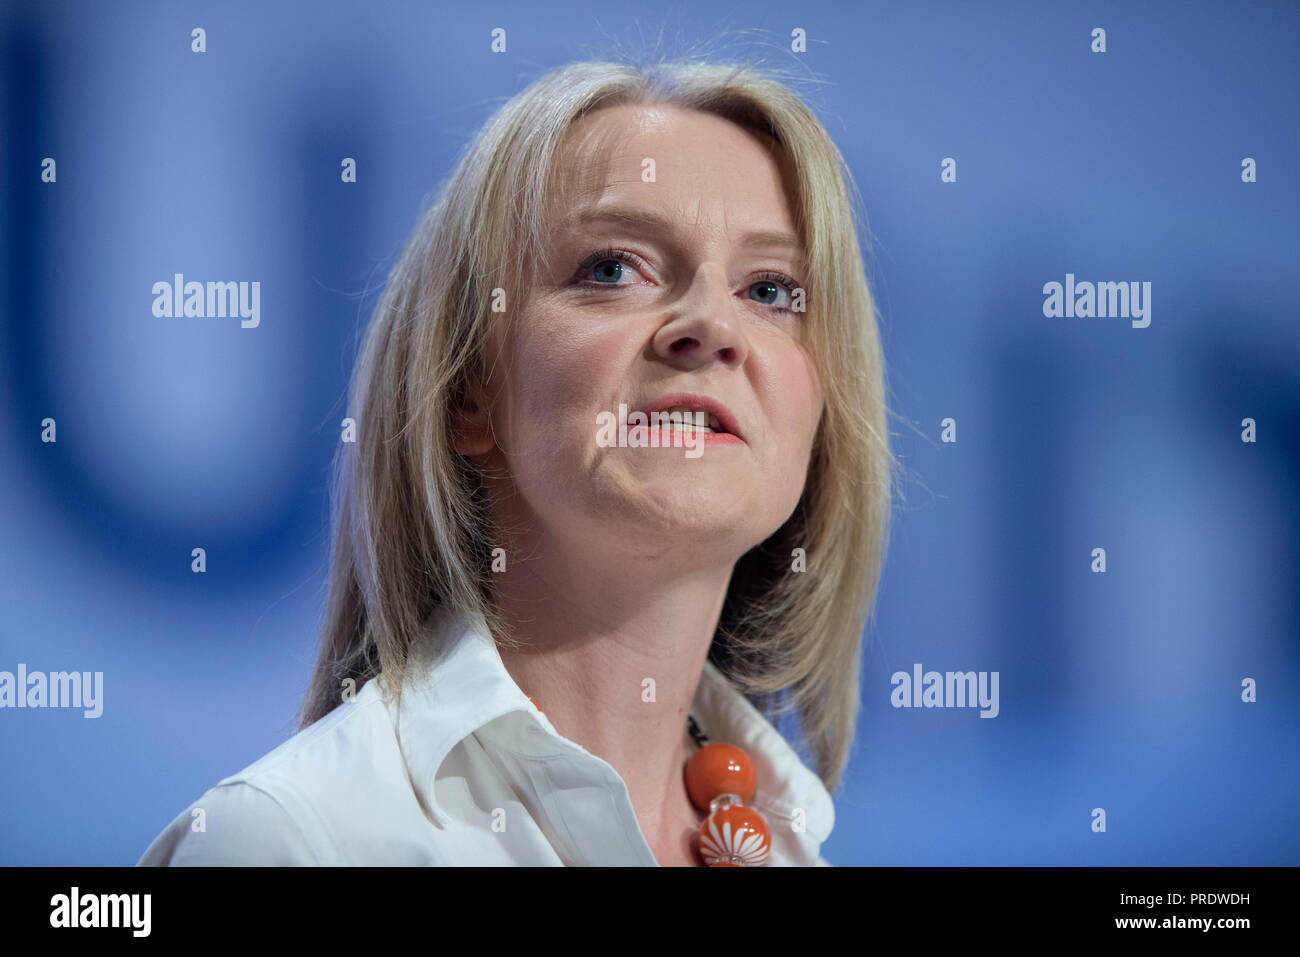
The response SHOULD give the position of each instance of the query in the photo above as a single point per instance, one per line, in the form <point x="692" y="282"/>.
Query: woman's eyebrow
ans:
<point x="652" y="220"/>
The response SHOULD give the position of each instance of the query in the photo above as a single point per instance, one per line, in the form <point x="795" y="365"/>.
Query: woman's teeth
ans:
<point x="689" y="418"/>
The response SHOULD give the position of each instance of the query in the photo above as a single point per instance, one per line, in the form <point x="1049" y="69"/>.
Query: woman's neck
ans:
<point x="613" y="656"/>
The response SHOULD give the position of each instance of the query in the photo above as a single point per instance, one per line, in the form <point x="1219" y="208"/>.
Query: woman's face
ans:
<point x="696" y="300"/>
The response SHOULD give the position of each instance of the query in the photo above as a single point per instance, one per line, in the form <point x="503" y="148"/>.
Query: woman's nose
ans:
<point x="704" y="327"/>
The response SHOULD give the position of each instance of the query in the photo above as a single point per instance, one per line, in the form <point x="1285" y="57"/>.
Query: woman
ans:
<point x="536" y="619"/>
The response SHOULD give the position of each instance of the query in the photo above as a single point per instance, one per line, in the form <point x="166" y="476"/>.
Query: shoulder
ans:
<point x="233" y="824"/>
<point x="286" y="808"/>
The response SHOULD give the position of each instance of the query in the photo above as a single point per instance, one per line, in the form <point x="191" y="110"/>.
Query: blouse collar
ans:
<point x="457" y="685"/>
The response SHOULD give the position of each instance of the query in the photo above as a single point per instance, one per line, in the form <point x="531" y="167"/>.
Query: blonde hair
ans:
<point x="412" y="524"/>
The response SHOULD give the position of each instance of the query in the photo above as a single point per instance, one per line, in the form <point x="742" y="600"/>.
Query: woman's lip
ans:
<point x="693" y="401"/>
<point x="665" y="436"/>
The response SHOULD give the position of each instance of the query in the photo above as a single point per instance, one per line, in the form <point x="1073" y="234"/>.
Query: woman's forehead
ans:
<point x="614" y="138"/>
<point x="705" y="170"/>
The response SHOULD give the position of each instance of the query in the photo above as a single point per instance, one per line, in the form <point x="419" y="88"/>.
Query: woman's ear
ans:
<point x="472" y="428"/>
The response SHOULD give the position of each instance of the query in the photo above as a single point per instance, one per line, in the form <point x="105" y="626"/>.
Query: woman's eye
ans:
<point x="775" y="291"/>
<point x="610" y="271"/>
<point x="609" y="267"/>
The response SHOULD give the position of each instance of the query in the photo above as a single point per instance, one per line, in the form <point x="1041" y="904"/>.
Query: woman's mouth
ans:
<point x="702" y="414"/>
<point x="673" y="435"/>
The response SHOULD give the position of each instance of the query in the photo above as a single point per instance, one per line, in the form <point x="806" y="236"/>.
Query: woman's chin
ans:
<point x="696" y="527"/>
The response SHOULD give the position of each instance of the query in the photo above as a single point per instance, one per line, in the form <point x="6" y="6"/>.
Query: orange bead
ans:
<point x="735" y="836"/>
<point x="719" y="769"/>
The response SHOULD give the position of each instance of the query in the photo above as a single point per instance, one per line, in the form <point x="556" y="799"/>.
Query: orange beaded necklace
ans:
<point x="720" y="778"/>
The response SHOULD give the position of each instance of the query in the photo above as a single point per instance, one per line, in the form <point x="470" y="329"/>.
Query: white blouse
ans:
<point x="465" y="770"/>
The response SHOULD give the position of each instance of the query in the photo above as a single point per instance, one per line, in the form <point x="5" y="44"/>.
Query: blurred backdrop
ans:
<point x="1119" y="690"/>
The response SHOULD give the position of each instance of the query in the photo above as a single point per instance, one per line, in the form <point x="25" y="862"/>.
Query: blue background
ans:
<point x="1118" y="690"/>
